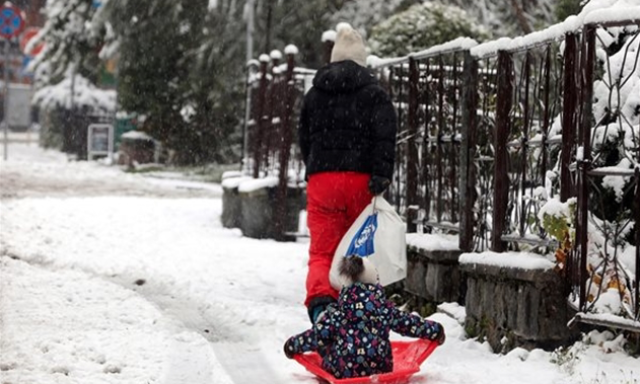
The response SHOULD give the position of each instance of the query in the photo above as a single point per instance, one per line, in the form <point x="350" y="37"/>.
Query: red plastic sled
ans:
<point x="407" y="358"/>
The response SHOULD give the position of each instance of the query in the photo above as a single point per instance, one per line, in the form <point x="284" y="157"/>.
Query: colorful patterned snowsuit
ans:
<point x="352" y="336"/>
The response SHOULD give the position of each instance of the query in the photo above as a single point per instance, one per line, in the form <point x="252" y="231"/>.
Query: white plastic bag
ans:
<point x="390" y="248"/>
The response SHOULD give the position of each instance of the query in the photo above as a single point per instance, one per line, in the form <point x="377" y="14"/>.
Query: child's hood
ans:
<point x="361" y="300"/>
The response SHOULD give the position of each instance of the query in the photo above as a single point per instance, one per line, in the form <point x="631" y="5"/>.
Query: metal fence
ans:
<point x="487" y="137"/>
<point x="275" y="92"/>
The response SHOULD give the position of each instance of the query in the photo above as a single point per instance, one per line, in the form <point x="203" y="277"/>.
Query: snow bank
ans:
<point x="521" y="260"/>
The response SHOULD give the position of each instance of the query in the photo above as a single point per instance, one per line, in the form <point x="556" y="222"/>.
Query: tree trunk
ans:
<point x="267" y="45"/>
<point x="522" y="18"/>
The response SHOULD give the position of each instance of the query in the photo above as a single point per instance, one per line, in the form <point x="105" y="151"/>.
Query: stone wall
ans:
<point x="433" y="274"/>
<point x="513" y="306"/>
<point x="253" y="211"/>
<point x="511" y="299"/>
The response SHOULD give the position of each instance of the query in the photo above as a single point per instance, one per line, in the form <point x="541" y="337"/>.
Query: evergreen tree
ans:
<point x="566" y="8"/>
<point x="152" y="65"/>
<point x="216" y="85"/>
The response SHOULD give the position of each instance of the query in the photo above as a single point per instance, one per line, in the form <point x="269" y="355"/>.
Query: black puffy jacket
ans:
<point x="347" y="122"/>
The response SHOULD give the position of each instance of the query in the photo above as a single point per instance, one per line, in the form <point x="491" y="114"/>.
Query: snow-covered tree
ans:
<point x="422" y="26"/>
<point x="69" y="45"/>
<point x="617" y="115"/>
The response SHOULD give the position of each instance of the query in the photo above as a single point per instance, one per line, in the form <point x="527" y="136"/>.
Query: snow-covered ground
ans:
<point x="109" y="277"/>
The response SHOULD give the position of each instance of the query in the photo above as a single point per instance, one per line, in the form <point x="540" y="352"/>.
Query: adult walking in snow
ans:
<point x="347" y="137"/>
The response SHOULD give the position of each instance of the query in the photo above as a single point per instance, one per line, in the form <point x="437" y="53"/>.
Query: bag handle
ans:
<point x="375" y="198"/>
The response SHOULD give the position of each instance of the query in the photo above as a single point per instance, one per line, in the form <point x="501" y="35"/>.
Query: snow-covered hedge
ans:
<point x="422" y="26"/>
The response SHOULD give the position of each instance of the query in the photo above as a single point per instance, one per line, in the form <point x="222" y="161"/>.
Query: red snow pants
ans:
<point x="334" y="202"/>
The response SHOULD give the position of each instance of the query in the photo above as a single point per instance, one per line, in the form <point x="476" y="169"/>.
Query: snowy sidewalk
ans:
<point x="101" y="286"/>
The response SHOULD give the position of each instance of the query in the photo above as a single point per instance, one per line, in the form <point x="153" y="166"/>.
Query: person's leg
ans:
<point x="325" y="219"/>
<point x="357" y="196"/>
<point x="334" y="201"/>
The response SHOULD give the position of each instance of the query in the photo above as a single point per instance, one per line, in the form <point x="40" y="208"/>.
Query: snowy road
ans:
<point x="109" y="277"/>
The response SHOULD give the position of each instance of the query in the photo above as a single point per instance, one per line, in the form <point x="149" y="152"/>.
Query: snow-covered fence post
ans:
<point x="439" y="148"/>
<point x="260" y="119"/>
<point x="467" y="184"/>
<point x="271" y="108"/>
<point x="412" y="162"/>
<point x="286" y="137"/>
<point x="583" y="157"/>
<point x="501" y="137"/>
<point x="328" y="40"/>
<point x="569" y="114"/>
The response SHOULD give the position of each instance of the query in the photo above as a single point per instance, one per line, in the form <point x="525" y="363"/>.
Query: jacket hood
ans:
<point x="343" y="77"/>
<point x="361" y="300"/>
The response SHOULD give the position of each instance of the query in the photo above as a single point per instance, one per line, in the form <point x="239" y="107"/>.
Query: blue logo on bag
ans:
<point x="362" y="242"/>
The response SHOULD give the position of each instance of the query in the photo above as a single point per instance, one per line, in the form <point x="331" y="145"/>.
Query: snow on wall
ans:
<point x="234" y="182"/>
<point x="433" y="242"/>
<point x="253" y="185"/>
<point x="522" y="260"/>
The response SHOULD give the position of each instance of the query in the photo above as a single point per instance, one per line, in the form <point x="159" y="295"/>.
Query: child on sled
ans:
<point x="352" y="335"/>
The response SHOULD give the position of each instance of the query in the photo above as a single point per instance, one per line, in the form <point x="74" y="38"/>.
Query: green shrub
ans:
<point x="423" y="26"/>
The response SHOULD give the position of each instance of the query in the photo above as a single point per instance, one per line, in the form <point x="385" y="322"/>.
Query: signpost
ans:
<point x="100" y="141"/>
<point x="11" y="25"/>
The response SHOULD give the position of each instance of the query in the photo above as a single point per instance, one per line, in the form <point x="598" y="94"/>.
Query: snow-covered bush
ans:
<point x="422" y="26"/>
<point x="70" y="41"/>
<point x="55" y="101"/>
<point x="85" y="95"/>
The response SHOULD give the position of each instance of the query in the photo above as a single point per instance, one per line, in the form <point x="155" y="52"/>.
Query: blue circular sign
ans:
<point x="11" y="22"/>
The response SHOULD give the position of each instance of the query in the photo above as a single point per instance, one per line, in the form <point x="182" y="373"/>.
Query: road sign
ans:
<point x="11" y="21"/>
<point x="29" y="34"/>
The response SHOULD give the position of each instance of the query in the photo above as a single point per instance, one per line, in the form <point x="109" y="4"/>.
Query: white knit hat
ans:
<point x="348" y="46"/>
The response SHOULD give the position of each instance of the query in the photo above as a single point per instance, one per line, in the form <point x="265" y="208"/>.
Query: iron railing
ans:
<point x="489" y="134"/>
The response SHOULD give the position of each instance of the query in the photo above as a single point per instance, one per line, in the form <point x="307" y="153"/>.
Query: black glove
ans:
<point x="288" y="351"/>
<point x="439" y="335"/>
<point x="378" y="184"/>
